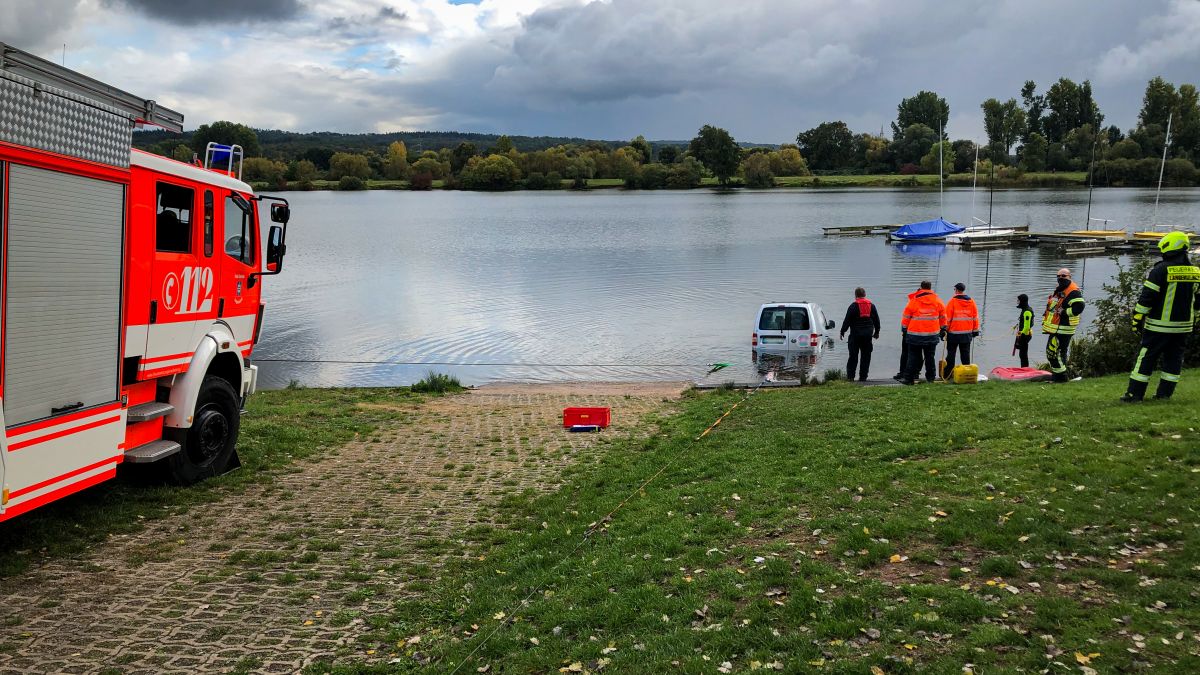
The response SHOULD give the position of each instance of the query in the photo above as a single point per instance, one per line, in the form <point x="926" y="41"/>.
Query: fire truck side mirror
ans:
<point x="275" y="248"/>
<point x="280" y="213"/>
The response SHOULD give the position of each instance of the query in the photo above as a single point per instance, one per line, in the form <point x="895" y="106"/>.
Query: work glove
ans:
<point x="1138" y="321"/>
<point x="942" y="334"/>
<point x="975" y="334"/>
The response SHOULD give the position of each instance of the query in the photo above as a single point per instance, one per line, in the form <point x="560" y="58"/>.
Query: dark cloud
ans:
<point x="213" y="11"/>
<point x="35" y="24"/>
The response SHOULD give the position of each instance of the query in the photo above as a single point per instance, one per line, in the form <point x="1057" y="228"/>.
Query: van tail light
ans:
<point x="754" y="339"/>
<point x="813" y="339"/>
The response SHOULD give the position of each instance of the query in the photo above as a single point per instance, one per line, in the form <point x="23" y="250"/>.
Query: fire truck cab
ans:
<point x="130" y="285"/>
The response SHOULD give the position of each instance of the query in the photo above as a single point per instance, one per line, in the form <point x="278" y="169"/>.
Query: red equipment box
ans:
<point x="600" y="417"/>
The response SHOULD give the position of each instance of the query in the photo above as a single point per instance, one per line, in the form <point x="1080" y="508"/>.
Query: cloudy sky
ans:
<point x="764" y="69"/>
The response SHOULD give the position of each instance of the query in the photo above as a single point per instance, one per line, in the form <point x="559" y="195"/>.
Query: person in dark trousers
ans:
<point x="924" y="325"/>
<point x="1060" y="320"/>
<point x="1165" y="316"/>
<point x="1024" y="329"/>
<point x="862" y="320"/>
<point x="904" y="347"/>
<point x="962" y="325"/>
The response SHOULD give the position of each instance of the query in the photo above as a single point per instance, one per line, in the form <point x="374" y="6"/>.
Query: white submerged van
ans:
<point x="791" y="328"/>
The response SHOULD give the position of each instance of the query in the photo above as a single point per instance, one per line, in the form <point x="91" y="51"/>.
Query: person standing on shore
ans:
<point x="862" y="320"/>
<point x="904" y="346"/>
<point x="1024" y="329"/>
<point x="1059" y="321"/>
<point x="1165" y="315"/>
<point x="924" y="324"/>
<point x="962" y="325"/>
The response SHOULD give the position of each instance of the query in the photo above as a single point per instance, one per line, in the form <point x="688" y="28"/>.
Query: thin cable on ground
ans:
<point x="353" y="362"/>
<point x="594" y="527"/>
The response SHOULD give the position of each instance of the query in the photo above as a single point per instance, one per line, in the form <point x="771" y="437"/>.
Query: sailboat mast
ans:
<point x="1161" y="168"/>
<point x="991" y="183"/>
<point x="941" y="197"/>
<point x="1091" y="180"/>
<point x="974" y="180"/>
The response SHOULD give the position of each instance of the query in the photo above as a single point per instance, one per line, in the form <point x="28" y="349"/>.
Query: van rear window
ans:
<point x="783" y="318"/>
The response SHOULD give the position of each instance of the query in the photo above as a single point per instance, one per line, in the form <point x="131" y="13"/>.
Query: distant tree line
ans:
<point x="1059" y="130"/>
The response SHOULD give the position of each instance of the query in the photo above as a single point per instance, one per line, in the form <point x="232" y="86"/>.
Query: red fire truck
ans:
<point x="130" y="285"/>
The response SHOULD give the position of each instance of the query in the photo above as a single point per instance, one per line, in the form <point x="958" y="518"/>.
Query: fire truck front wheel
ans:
<point x="208" y="444"/>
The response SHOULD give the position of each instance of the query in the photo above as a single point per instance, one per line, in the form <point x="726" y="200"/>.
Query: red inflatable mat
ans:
<point x="1020" y="374"/>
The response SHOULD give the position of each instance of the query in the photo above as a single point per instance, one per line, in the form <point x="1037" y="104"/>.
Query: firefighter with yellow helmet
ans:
<point x="1165" y="315"/>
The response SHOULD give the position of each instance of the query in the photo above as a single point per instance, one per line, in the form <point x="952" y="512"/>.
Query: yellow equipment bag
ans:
<point x="965" y="374"/>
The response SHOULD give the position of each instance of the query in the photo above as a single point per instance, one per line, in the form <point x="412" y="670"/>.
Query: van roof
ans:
<point x="175" y="168"/>
<point x="802" y="303"/>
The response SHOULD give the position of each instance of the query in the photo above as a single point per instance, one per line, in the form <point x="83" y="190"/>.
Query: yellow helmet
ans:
<point x="1173" y="241"/>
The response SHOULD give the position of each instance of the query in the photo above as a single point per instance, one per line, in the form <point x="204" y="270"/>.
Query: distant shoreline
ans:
<point x="920" y="181"/>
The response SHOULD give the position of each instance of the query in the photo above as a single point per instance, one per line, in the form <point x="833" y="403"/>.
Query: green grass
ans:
<point x="279" y="428"/>
<point x="438" y="383"/>
<point x="840" y="528"/>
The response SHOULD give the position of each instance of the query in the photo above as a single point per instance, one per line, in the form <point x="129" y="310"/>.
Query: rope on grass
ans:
<point x="591" y="529"/>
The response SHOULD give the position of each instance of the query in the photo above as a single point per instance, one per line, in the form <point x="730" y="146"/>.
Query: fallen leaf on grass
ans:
<point x="896" y="557"/>
<point x="483" y="669"/>
<point x="876" y="670"/>
<point x="736" y="497"/>
<point x="535" y="641"/>
<point x="725" y="667"/>
<point x="1085" y="659"/>
<point x="499" y="616"/>
<point x="576" y="667"/>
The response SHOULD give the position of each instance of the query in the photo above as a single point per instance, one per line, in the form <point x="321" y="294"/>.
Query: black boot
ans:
<point x="1135" y="392"/>
<point x="1165" y="389"/>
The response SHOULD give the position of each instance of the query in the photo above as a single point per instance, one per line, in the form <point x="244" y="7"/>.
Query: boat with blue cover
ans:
<point x="929" y="230"/>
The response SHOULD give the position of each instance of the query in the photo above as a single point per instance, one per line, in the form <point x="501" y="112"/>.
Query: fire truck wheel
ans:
<point x="209" y="443"/>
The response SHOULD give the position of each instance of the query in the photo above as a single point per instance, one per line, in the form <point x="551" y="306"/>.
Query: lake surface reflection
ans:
<point x="613" y="285"/>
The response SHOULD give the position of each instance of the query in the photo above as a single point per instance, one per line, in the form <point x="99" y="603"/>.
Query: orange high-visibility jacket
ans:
<point x="962" y="316"/>
<point x="925" y="315"/>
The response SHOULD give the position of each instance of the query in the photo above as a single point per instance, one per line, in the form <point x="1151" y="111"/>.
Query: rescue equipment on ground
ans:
<point x="587" y="417"/>
<point x="965" y="374"/>
<point x="1020" y="374"/>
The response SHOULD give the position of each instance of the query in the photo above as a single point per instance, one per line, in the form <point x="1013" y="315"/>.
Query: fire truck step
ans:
<point x="148" y="411"/>
<point x="152" y="452"/>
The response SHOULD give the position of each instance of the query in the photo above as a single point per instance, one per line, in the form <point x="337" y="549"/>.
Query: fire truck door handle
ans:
<point x="65" y="408"/>
<point x="221" y="308"/>
<point x="153" y="311"/>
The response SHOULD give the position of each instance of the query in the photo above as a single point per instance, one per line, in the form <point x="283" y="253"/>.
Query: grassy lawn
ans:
<point x="280" y="428"/>
<point x="852" y="530"/>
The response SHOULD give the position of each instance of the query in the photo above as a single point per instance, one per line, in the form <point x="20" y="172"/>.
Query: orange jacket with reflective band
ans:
<point x="962" y="316"/>
<point x="924" y="315"/>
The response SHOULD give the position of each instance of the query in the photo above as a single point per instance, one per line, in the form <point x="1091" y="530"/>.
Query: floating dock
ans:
<point x="1075" y="242"/>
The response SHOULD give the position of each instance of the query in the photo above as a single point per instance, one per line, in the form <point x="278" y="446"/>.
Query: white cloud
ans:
<point x="1173" y="35"/>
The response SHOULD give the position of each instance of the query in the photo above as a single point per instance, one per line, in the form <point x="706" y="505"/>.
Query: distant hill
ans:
<point x="288" y="144"/>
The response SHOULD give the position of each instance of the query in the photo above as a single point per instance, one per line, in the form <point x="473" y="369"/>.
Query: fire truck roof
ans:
<point x="169" y="166"/>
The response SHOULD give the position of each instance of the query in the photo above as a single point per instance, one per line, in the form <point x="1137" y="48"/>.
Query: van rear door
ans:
<point x="772" y="329"/>
<point x="799" y="325"/>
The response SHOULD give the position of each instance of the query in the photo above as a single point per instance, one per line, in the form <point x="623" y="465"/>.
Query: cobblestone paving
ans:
<point x="282" y="575"/>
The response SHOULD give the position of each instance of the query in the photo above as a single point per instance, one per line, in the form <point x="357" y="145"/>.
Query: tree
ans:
<point x="964" y="155"/>
<point x="395" y="165"/>
<point x="1070" y="105"/>
<point x="182" y="152"/>
<point x="1159" y="101"/>
<point x="828" y="146"/>
<point x="756" y="170"/>
<point x="263" y="170"/>
<point x="668" y="154"/>
<point x="302" y="171"/>
<point x="929" y="162"/>
<point x="925" y="108"/>
<point x="1035" y="106"/>
<point x="1003" y="122"/>
<point x="717" y="151"/>
<point x="1186" y="128"/>
<point x="653" y="177"/>
<point x="347" y="164"/>
<point x="318" y="156"/>
<point x="461" y="153"/>
<point x="913" y="144"/>
<point x="494" y="172"/>
<point x="872" y="153"/>
<point x="788" y="161"/>
<point x="504" y="146"/>
<point x="431" y="166"/>
<point x="1033" y="152"/>
<point x="643" y="147"/>
<point x="1124" y="149"/>
<point x="226" y="133"/>
<point x="684" y="174"/>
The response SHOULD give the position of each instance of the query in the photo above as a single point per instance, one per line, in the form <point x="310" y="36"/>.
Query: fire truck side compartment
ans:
<point x="62" y="333"/>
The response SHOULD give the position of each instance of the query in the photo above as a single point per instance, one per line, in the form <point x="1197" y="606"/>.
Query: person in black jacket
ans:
<point x="862" y="320"/>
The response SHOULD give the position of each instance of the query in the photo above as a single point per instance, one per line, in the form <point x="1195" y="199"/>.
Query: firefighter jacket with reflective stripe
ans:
<point x="962" y="316"/>
<point x="924" y="317"/>
<point x="1063" y="310"/>
<point x="1025" y="321"/>
<point x="1169" y="298"/>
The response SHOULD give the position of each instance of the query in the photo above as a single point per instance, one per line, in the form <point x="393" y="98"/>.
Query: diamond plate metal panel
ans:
<point x="57" y="121"/>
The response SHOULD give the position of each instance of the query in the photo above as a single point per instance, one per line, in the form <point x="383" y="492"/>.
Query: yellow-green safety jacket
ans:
<point x="1169" y="298"/>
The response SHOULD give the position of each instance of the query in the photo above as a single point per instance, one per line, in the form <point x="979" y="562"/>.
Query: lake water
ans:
<point x="614" y="285"/>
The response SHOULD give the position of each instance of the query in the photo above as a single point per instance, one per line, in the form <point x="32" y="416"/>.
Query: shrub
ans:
<point x="685" y="174"/>
<point x="494" y="172"/>
<point x="909" y="169"/>
<point x="756" y="169"/>
<point x="437" y="383"/>
<point x="833" y="374"/>
<point x="352" y="183"/>
<point x="543" y="181"/>
<point x="654" y="177"/>
<point x="421" y="181"/>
